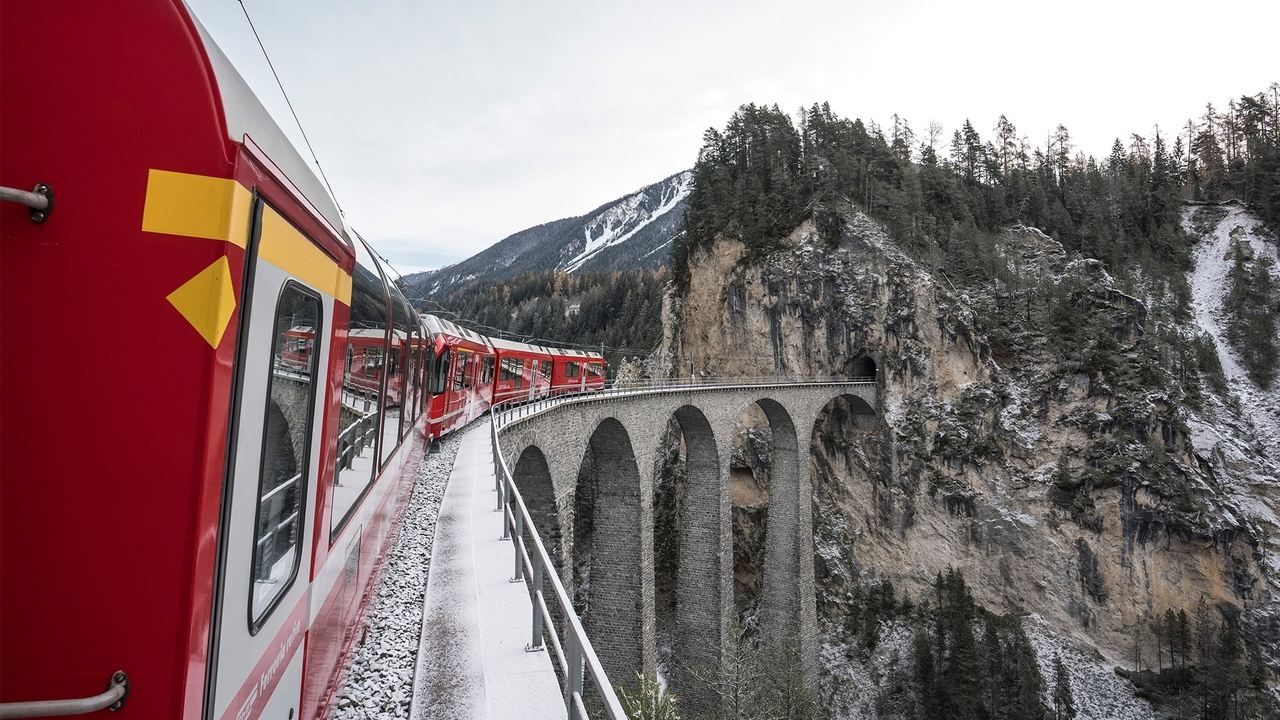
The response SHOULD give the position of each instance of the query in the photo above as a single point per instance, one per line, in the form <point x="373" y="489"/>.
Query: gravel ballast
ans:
<point x="379" y="681"/>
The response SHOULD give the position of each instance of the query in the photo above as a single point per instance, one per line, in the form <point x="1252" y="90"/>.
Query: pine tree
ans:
<point x="1064" y="705"/>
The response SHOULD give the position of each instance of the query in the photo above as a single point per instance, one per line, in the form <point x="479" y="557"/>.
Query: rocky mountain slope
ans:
<point x="1087" y="495"/>
<point x="634" y="231"/>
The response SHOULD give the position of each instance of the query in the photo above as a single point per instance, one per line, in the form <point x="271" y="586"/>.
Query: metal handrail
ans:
<point x="111" y="699"/>
<point x="580" y="655"/>
<point x="282" y="486"/>
<point x="38" y="201"/>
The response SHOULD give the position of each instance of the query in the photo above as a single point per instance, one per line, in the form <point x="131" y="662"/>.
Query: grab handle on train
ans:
<point x="39" y="201"/>
<point x="112" y="699"/>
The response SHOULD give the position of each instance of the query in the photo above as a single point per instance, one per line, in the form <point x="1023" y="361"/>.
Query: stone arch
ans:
<point x="532" y="476"/>
<point x="780" y="601"/>
<point x="291" y="400"/>
<point x="862" y="366"/>
<point x="608" y="538"/>
<point x="842" y="444"/>
<point x="691" y="512"/>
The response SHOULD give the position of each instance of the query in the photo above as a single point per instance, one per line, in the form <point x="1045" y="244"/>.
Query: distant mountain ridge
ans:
<point x="632" y="232"/>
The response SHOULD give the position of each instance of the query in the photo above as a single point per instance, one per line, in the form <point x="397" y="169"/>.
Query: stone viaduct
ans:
<point x="615" y="439"/>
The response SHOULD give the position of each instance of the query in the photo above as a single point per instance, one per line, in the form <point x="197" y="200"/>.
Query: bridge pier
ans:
<point x="704" y="583"/>
<point x="619" y="587"/>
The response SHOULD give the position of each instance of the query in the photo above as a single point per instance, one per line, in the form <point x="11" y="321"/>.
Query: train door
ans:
<point x="533" y="377"/>
<point x="265" y="552"/>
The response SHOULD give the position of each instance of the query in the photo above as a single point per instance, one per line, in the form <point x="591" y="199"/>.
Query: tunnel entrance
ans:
<point x="862" y="366"/>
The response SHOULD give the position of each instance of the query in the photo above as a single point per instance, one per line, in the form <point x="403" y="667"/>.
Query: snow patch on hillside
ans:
<point x="1210" y="280"/>
<point x="1099" y="693"/>
<point x="621" y="222"/>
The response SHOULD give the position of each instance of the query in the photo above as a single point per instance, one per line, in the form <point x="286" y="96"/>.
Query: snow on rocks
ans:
<point x="1221" y="436"/>
<point x="621" y="222"/>
<point x="1210" y="281"/>
<point x="379" y="681"/>
<point x="851" y="687"/>
<point x="1099" y="693"/>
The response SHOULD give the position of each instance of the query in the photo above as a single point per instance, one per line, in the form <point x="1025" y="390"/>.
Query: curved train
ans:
<point x="197" y="488"/>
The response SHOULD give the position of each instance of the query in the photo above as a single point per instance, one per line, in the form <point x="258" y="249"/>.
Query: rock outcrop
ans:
<point x="1067" y="492"/>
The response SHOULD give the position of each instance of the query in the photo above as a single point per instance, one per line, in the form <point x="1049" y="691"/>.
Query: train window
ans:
<point x="459" y="372"/>
<point x="595" y="370"/>
<point x="282" y="478"/>
<point x="546" y="370"/>
<point x="400" y="389"/>
<point x="488" y="370"/>
<point x="571" y="369"/>
<point x="415" y="372"/>
<point x="511" y="369"/>
<point x="357" y="426"/>
<point x="425" y="354"/>
<point x="393" y="386"/>
<point x="441" y="379"/>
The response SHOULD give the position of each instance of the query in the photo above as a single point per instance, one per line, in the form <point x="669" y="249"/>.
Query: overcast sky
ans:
<point x="444" y="127"/>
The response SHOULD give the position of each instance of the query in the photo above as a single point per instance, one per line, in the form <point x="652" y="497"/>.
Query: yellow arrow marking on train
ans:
<point x="207" y="301"/>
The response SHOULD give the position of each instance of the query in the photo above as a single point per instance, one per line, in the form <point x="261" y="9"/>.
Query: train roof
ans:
<point x="245" y="116"/>
<point x="517" y="346"/>
<point x="575" y="353"/>
<point x="439" y="326"/>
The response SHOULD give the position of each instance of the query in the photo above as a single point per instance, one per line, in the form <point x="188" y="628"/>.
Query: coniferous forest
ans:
<point x="764" y="172"/>
<point x="617" y="311"/>
<point x="945" y="200"/>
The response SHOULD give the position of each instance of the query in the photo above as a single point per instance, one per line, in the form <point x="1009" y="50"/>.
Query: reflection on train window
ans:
<point x="571" y="369"/>
<point x="546" y="370"/>
<point x="393" y="415"/>
<point x="511" y="368"/>
<point x="441" y="378"/>
<point x="414" y="374"/>
<point x="595" y="370"/>
<point x="357" y="426"/>
<point x="488" y="370"/>
<point x="286" y="436"/>
<point x="460" y="373"/>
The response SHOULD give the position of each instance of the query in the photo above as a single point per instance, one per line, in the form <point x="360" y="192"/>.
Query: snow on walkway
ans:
<point x="1210" y="282"/>
<point x="472" y="661"/>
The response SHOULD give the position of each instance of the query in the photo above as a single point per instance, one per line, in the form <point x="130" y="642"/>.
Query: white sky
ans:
<point x="445" y="127"/>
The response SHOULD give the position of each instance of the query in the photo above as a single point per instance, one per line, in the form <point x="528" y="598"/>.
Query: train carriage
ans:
<point x="461" y="375"/>
<point x="524" y="371"/>
<point x="215" y="533"/>
<point x="576" y="371"/>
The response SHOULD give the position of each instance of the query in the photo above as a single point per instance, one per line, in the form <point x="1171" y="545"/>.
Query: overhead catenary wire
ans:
<point x="289" y="102"/>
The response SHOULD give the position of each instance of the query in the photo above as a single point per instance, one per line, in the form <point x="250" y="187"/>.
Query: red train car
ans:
<point x="220" y="520"/>
<point x="461" y="375"/>
<point x="524" y="371"/>
<point x="576" y="371"/>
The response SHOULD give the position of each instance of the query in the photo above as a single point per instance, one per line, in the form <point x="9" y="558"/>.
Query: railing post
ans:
<point x="536" y="642"/>
<point x="504" y="501"/>
<point x="517" y="544"/>
<point x="573" y="679"/>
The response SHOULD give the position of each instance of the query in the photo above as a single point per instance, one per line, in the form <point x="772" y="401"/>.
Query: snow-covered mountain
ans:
<point x="634" y="231"/>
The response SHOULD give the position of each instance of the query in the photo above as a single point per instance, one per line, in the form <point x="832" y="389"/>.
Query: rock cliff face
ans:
<point x="1068" y="496"/>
